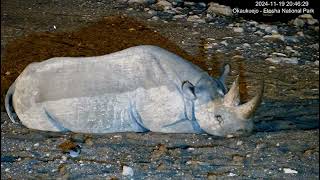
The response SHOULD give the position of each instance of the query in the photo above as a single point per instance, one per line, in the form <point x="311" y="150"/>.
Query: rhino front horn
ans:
<point x="247" y="109"/>
<point x="232" y="98"/>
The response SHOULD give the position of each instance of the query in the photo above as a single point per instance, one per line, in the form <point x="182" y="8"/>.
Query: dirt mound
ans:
<point x="109" y="35"/>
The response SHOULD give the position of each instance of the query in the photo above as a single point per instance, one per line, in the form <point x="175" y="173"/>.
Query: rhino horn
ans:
<point x="232" y="98"/>
<point x="247" y="109"/>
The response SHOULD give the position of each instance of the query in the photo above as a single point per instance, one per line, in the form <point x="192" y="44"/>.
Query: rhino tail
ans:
<point x="9" y="104"/>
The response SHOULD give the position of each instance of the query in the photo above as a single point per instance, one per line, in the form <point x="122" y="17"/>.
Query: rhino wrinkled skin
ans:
<point x="139" y="89"/>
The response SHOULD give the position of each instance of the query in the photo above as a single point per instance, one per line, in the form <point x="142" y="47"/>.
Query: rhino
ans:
<point x="139" y="89"/>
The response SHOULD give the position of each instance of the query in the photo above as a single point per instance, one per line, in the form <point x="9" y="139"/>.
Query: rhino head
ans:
<point x="219" y="112"/>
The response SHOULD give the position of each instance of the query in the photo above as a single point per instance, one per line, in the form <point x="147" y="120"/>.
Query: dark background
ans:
<point x="259" y="17"/>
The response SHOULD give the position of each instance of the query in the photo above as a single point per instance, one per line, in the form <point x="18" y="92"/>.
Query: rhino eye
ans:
<point x="219" y="118"/>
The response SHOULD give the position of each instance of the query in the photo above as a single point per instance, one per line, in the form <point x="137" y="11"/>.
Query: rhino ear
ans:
<point x="225" y="72"/>
<point x="188" y="90"/>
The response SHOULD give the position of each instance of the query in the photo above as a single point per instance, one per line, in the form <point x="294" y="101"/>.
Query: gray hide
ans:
<point x="139" y="89"/>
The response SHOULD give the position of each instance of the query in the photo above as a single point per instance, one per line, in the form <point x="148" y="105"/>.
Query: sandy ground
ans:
<point x="290" y="149"/>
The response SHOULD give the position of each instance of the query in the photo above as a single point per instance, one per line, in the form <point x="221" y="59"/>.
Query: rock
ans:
<point x="142" y="2"/>
<point x="274" y="37"/>
<point x="300" y="33"/>
<point x="201" y="5"/>
<point x="298" y="22"/>
<point x="278" y="54"/>
<point x="179" y="16"/>
<point x="238" y="29"/>
<point x="239" y="143"/>
<point x="195" y="18"/>
<point x="209" y="18"/>
<point x="246" y="45"/>
<point x="314" y="46"/>
<point x="224" y="43"/>
<point x="74" y="153"/>
<point x="282" y="60"/>
<point x="271" y="29"/>
<point x="259" y="33"/>
<point x="291" y="39"/>
<point x="79" y="138"/>
<point x="155" y="18"/>
<point x="215" y="8"/>
<point x="305" y="19"/>
<point x="208" y="46"/>
<point x="177" y="3"/>
<point x="316" y="63"/>
<point x="289" y="171"/>
<point x="163" y="5"/>
<point x="152" y="12"/>
<point x="306" y="16"/>
<point x="312" y="21"/>
<point x="127" y="171"/>
<point x="189" y="4"/>
<point x="253" y="23"/>
<point x="231" y="174"/>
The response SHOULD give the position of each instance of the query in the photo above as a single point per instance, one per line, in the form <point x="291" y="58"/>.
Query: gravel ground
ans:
<point x="285" y="144"/>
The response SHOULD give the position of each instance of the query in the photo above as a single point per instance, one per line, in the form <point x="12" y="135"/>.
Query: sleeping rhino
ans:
<point x="139" y="89"/>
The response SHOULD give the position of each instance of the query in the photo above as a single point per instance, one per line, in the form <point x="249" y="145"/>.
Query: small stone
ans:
<point x="195" y="18"/>
<point x="280" y="60"/>
<point x="189" y="3"/>
<point x="238" y="29"/>
<point x="237" y="57"/>
<point x="80" y="138"/>
<point x="271" y="29"/>
<point x="253" y="23"/>
<point x="291" y="39"/>
<point x="300" y="33"/>
<point x="312" y="21"/>
<point x="279" y="54"/>
<point x="224" y="43"/>
<point x="64" y="158"/>
<point x="74" y="153"/>
<point x="36" y="145"/>
<point x="231" y="174"/>
<point x="298" y="22"/>
<point x="314" y="46"/>
<point x="190" y="149"/>
<point x="208" y="46"/>
<point x="230" y="136"/>
<point x="7" y="170"/>
<point x="239" y="143"/>
<point x="155" y="18"/>
<point x="164" y="5"/>
<point x="180" y="16"/>
<point x="127" y="171"/>
<point x="306" y="16"/>
<point x="7" y="73"/>
<point x="152" y="12"/>
<point x="246" y="45"/>
<point x="259" y="33"/>
<point x="215" y="8"/>
<point x="274" y="37"/>
<point x="289" y="171"/>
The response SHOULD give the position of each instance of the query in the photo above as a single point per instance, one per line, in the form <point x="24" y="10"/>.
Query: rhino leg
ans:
<point x="54" y="122"/>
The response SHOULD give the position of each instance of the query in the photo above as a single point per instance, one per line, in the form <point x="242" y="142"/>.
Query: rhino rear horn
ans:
<point x="232" y="98"/>
<point x="247" y="109"/>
